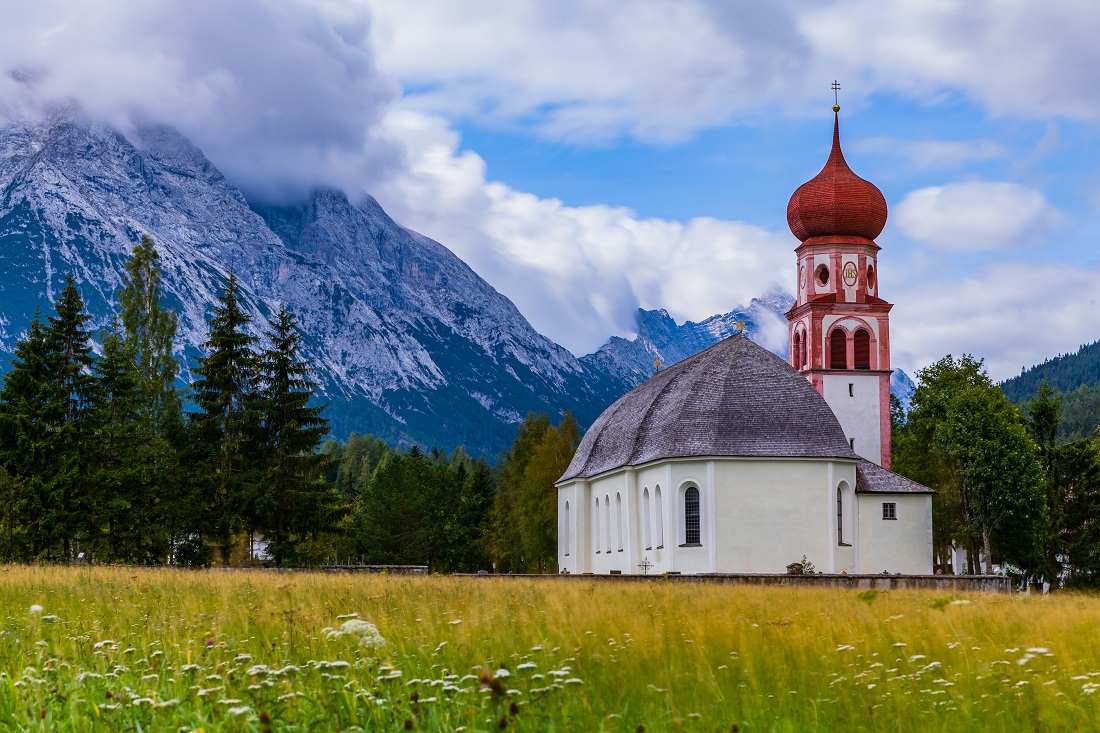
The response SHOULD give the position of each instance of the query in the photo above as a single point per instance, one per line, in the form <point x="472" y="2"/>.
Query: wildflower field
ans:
<point x="165" y="650"/>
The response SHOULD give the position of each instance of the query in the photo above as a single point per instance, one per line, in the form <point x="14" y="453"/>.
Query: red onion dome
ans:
<point x="836" y="202"/>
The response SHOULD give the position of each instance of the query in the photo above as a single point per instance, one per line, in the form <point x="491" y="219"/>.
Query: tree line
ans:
<point x="1009" y="491"/>
<point x="103" y="458"/>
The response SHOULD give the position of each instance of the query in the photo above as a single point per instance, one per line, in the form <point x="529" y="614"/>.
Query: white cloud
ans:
<point x="932" y="154"/>
<point x="577" y="273"/>
<point x="1014" y="314"/>
<point x="976" y="216"/>
<point x="283" y="95"/>
<point x="664" y="69"/>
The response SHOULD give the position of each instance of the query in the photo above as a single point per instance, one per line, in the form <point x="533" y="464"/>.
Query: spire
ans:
<point x="836" y="202"/>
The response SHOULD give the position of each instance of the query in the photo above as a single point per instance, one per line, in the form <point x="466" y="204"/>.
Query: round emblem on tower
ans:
<point x="850" y="275"/>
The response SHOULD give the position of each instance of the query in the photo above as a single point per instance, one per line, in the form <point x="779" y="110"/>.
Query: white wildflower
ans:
<point x="35" y="608"/>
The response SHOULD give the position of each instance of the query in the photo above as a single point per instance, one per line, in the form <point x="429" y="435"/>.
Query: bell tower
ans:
<point x="839" y="326"/>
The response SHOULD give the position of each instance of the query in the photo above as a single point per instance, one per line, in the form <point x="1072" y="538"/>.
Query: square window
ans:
<point x="889" y="510"/>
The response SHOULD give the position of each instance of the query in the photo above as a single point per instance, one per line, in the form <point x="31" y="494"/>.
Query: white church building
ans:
<point x="735" y="461"/>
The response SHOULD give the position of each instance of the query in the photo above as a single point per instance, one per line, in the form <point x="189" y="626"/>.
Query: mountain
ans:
<point x="1076" y="377"/>
<point x="406" y="340"/>
<point x="1065" y="373"/>
<point x="661" y="339"/>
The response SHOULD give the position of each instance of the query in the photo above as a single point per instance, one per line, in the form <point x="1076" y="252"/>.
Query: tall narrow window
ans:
<point x="619" y="521"/>
<point x="660" y="523"/>
<point x="607" y="523"/>
<point x="838" y="349"/>
<point x="839" y="517"/>
<point x="565" y="532"/>
<point x="596" y="528"/>
<point x="647" y="530"/>
<point x="691" y="516"/>
<point x="796" y="351"/>
<point x="862" y="349"/>
<point x="803" y="360"/>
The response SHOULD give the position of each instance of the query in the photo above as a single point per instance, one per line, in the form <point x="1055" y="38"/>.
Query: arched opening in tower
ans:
<point x="862" y="349"/>
<point x="838" y="349"/>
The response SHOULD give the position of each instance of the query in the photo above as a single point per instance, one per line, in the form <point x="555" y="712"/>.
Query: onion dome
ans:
<point x="734" y="399"/>
<point x="836" y="202"/>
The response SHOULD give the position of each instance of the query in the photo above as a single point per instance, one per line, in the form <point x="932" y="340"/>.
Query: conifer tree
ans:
<point x="71" y="359"/>
<point x="27" y="407"/>
<point x="293" y="499"/>
<point x="226" y="423"/>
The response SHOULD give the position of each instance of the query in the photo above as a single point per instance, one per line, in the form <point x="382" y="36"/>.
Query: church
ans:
<point x="735" y="461"/>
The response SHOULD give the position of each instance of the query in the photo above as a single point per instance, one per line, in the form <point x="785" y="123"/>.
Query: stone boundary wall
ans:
<point x="951" y="583"/>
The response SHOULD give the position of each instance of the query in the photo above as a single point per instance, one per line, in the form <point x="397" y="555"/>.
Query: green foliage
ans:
<point x="964" y="439"/>
<point x="292" y="501"/>
<point x="1063" y="373"/>
<point x="525" y="512"/>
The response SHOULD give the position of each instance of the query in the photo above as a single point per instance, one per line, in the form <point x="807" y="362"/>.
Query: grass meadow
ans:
<point x="165" y="650"/>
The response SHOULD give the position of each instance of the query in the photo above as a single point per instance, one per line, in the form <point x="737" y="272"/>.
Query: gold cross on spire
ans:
<point x="836" y="96"/>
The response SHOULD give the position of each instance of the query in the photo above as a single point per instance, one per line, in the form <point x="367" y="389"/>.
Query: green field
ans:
<point x="164" y="650"/>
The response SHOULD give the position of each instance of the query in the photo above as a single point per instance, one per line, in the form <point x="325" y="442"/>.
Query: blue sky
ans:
<point x="590" y="157"/>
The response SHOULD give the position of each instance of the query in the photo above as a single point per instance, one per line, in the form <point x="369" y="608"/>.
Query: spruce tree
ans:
<point x="293" y="498"/>
<point x="226" y="424"/>
<point x="71" y="358"/>
<point x="27" y="416"/>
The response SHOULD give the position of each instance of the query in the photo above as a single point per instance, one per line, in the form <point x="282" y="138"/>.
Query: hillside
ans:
<point x="1064" y="373"/>
<point x="1076" y="377"/>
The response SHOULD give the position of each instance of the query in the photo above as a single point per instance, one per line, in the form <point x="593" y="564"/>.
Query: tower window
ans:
<point x="851" y="390"/>
<point x="838" y="349"/>
<point x="822" y="274"/>
<point x="852" y="443"/>
<point x="796" y="350"/>
<point x="862" y="349"/>
<point x="871" y="276"/>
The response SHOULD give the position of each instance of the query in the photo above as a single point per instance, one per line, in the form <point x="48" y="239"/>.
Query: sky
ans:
<point x="592" y="157"/>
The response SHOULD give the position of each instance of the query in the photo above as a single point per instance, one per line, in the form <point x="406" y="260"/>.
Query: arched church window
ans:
<point x="607" y="523"/>
<point x="796" y="350"/>
<point x="839" y="517"/>
<point x="838" y="349"/>
<point x="660" y="523"/>
<point x="871" y="276"/>
<point x="596" y="527"/>
<point x="619" y="521"/>
<point x="565" y="532"/>
<point x="862" y="349"/>
<point x="646" y="528"/>
<point x="691" y="516"/>
<point x="822" y="275"/>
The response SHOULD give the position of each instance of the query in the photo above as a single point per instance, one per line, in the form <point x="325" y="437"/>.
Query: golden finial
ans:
<point x="740" y="327"/>
<point x="656" y="365"/>
<point x="836" y="97"/>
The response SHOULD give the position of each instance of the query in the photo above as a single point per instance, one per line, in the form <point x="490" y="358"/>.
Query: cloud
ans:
<point x="283" y="95"/>
<point x="932" y="154"/>
<point x="976" y="216"/>
<point x="577" y="273"/>
<point x="1014" y="314"/>
<point x="591" y="71"/>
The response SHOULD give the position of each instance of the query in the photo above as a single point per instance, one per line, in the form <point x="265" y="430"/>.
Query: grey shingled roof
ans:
<point x="734" y="399"/>
<point x="872" y="478"/>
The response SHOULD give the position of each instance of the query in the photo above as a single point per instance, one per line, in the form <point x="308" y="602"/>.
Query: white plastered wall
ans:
<point x="901" y="545"/>
<point x="857" y="409"/>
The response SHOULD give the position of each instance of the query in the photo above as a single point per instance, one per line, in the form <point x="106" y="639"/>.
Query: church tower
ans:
<point x="839" y="326"/>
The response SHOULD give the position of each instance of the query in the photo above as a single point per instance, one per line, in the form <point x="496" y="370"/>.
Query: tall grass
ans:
<point x="152" y="650"/>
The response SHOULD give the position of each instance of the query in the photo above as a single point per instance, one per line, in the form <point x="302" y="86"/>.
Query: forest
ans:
<point x="104" y="459"/>
<point x="1010" y="491"/>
